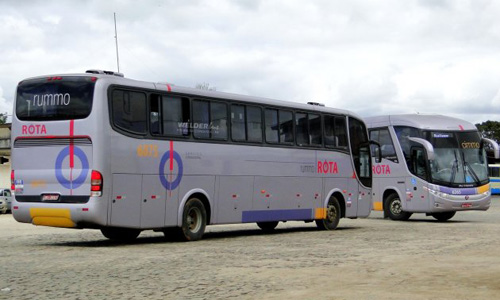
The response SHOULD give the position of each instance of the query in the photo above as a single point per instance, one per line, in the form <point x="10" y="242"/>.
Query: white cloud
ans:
<point x="372" y="57"/>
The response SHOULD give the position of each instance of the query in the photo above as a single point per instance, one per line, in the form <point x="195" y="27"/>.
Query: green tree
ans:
<point x="205" y="86"/>
<point x="490" y="130"/>
<point x="3" y="118"/>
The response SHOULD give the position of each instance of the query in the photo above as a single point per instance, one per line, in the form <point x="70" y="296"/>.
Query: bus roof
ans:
<point x="426" y="122"/>
<point x="118" y="79"/>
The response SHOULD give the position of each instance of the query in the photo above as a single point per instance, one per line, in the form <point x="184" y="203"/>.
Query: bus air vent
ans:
<point x="316" y="103"/>
<point x="104" y="72"/>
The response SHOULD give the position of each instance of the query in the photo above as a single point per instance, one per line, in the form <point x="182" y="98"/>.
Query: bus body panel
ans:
<point x="235" y="195"/>
<point x="275" y="183"/>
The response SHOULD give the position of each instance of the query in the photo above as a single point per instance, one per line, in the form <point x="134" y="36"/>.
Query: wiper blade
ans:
<point x="471" y="171"/>
<point x="454" y="168"/>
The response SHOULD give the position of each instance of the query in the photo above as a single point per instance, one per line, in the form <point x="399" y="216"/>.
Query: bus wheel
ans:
<point x="120" y="234"/>
<point x="444" y="216"/>
<point x="332" y="215"/>
<point x="393" y="209"/>
<point x="194" y="220"/>
<point x="267" y="226"/>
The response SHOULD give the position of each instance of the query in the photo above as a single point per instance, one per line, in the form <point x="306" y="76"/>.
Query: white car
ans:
<point x="5" y="201"/>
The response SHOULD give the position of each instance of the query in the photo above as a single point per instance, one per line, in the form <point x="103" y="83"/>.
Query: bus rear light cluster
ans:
<point x="12" y="181"/>
<point x="96" y="184"/>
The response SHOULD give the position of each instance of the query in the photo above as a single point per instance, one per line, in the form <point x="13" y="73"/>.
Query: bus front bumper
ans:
<point x="442" y="201"/>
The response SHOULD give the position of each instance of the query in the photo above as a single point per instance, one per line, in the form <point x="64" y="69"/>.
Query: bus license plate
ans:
<point x="466" y="205"/>
<point x="50" y="197"/>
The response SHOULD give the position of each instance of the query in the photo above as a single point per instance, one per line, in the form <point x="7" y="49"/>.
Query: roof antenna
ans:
<point x="116" y="40"/>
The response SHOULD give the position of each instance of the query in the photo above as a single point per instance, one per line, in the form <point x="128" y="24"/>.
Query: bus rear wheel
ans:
<point x="120" y="234"/>
<point x="332" y="215"/>
<point x="267" y="226"/>
<point x="444" y="216"/>
<point x="394" y="209"/>
<point x="194" y="220"/>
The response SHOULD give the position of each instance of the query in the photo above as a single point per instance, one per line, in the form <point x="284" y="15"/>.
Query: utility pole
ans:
<point x="116" y="40"/>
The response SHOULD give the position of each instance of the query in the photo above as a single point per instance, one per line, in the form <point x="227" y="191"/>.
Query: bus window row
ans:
<point x="203" y="119"/>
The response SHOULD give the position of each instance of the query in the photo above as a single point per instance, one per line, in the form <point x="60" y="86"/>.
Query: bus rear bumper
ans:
<point x="66" y="215"/>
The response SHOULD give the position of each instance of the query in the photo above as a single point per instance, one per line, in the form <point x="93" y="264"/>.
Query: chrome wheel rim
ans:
<point x="331" y="213"/>
<point x="396" y="207"/>
<point x="194" y="219"/>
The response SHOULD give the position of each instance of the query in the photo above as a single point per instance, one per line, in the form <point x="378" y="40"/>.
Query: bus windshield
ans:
<point x="459" y="158"/>
<point x="55" y="98"/>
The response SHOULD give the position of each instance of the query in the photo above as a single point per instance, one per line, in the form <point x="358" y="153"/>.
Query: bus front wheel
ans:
<point x="394" y="209"/>
<point x="120" y="234"/>
<point x="444" y="216"/>
<point x="332" y="215"/>
<point x="194" y="220"/>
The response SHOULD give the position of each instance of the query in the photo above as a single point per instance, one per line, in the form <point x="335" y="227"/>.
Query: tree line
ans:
<point x="490" y="130"/>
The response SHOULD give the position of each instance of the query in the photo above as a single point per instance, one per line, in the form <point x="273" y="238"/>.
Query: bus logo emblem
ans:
<point x="167" y="180"/>
<point x="71" y="183"/>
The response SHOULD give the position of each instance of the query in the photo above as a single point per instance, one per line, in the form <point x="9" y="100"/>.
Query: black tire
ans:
<point x="194" y="220"/>
<point x="267" y="226"/>
<point x="332" y="215"/>
<point x="444" y="216"/>
<point x="120" y="234"/>
<point x="393" y="208"/>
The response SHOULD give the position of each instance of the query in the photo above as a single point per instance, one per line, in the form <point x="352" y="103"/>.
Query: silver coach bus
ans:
<point x="97" y="150"/>
<point x="430" y="164"/>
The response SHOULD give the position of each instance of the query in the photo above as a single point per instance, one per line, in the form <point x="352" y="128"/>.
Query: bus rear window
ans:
<point x="55" y="98"/>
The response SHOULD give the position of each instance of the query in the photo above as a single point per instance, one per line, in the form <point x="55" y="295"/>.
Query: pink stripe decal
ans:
<point x="71" y="145"/>
<point x="169" y="88"/>
<point x="171" y="156"/>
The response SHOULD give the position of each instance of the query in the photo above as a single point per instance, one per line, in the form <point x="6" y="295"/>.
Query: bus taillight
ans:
<point x="96" y="184"/>
<point x="12" y="183"/>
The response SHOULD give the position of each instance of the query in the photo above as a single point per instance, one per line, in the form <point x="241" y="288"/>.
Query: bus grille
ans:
<point x="48" y="142"/>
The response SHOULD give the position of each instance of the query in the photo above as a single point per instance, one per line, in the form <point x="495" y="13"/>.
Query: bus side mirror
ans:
<point x="493" y="146"/>
<point x="376" y="151"/>
<point x="427" y="146"/>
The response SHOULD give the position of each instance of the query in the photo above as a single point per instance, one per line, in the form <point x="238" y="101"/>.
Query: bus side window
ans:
<point x="254" y="123"/>
<point x="286" y="127"/>
<point x="374" y="136"/>
<point x="383" y="137"/>
<point x="246" y="123"/>
<point x="331" y="141"/>
<point x="271" y="125"/>
<point x="129" y="110"/>
<point x="335" y="132"/>
<point x="387" y="146"/>
<point x="209" y="120"/>
<point x="341" y="132"/>
<point x="418" y="162"/>
<point x="175" y="116"/>
<point x="201" y="119"/>
<point x="301" y="129"/>
<point x="238" y="122"/>
<point x="315" y="129"/>
<point x="403" y="133"/>
<point x="218" y="119"/>
<point x="154" y="118"/>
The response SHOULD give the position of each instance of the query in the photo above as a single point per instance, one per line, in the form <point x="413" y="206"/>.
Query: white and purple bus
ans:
<point x="430" y="164"/>
<point x="97" y="150"/>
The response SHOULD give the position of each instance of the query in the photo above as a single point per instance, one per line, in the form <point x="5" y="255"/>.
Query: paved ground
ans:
<point x="364" y="259"/>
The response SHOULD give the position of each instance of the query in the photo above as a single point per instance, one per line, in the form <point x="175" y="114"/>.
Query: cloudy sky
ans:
<point x="371" y="57"/>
